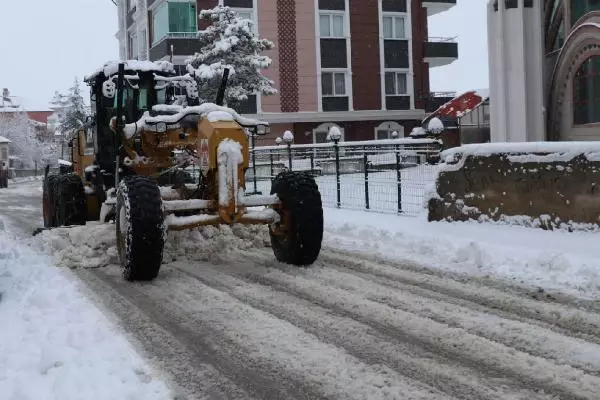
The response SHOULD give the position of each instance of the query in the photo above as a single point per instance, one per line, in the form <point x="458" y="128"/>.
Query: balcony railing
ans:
<point x="440" y="39"/>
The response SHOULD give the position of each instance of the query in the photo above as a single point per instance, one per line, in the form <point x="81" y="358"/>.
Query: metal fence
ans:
<point x="379" y="175"/>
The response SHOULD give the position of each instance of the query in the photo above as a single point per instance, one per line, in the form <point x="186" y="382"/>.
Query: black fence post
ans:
<point x="289" y="147"/>
<point x="366" y="162"/>
<point x="337" y="172"/>
<point x="399" y="178"/>
<point x="253" y="155"/>
<point x="312" y="163"/>
<point x="272" y="167"/>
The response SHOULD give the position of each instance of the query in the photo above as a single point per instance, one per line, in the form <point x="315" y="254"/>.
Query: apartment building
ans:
<point x="362" y="65"/>
<point x="544" y="69"/>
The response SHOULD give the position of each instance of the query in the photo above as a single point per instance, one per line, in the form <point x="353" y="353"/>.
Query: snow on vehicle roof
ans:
<point x="203" y="110"/>
<point x="4" y="140"/>
<point x="112" y="67"/>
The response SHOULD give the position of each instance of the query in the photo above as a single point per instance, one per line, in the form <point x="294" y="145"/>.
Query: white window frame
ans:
<point x="389" y="126"/>
<point x="397" y="71"/>
<point x="394" y="15"/>
<point x="330" y="14"/>
<point x="336" y="71"/>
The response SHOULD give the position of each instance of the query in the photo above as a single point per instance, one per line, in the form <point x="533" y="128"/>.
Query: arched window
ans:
<point x="321" y="131"/>
<point x="586" y="92"/>
<point x="384" y="130"/>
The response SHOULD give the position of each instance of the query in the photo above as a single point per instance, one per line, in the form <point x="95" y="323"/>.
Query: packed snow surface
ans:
<point x="557" y="260"/>
<point x="55" y="344"/>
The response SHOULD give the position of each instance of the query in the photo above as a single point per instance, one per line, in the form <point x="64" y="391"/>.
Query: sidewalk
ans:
<point x="55" y="343"/>
<point x="558" y="260"/>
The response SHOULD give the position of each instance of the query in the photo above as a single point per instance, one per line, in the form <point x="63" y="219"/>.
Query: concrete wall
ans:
<point x="516" y="73"/>
<point x="539" y="193"/>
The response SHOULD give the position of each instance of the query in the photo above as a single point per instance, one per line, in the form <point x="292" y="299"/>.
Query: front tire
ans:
<point x="48" y="203"/>
<point x="298" y="237"/>
<point x="139" y="219"/>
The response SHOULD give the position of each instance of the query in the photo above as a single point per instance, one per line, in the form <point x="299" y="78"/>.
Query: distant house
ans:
<point x="4" y="152"/>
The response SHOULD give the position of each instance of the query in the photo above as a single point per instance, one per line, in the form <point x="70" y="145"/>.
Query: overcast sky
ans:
<point x="47" y="43"/>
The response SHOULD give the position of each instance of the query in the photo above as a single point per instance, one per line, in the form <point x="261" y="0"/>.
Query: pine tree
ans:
<point x="230" y="42"/>
<point x="74" y="109"/>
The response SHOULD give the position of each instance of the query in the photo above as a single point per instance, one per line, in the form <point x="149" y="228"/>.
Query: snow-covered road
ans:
<point x="224" y="320"/>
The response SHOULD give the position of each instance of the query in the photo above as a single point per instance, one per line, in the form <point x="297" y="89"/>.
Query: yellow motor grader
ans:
<point x="128" y="166"/>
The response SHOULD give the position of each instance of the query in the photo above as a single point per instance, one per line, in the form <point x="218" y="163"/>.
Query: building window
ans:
<point x="174" y="18"/>
<point x="331" y="25"/>
<point x="586" y="92"/>
<point x="396" y="83"/>
<point x="132" y="46"/>
<point x="394" y="27"/>
<point x="333" y="83"/>
<point x="4" y="153"/>
<point x="385" y="130"/>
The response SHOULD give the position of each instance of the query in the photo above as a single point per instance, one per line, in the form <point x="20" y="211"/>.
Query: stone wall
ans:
<point x="543" y="190"/>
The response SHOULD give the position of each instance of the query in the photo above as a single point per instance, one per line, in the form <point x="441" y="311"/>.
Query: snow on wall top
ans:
<point x="527" y="151"/>
<point x="112" y="67"/>
<point x="4" y="140"/>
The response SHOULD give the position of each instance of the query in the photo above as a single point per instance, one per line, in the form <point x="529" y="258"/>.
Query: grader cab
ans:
<point x="130" y="166"/>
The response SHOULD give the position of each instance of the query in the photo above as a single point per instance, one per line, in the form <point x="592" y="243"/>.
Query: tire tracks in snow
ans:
<point x="197" y="358"/>
<point x="350" y="327"/>
<point x="361" y="340"/>
<point x="459" y="344"/>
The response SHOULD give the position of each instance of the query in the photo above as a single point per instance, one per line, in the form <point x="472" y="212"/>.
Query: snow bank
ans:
<point x="555" y="260"/>
<point x="55" y="344"/>
<point x="95" y="245"/>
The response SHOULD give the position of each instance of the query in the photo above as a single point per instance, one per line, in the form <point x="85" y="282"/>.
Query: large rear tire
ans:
<point x="139" y="219"/>
<point x="48" y="203"/>
<point x="70" y="201"/>
<point x="298" y="237"/>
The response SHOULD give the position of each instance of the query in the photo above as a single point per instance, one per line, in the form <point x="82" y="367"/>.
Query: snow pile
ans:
<point x="288" y="137"/>
<point x="216" y="116"/>
<point x="555" y="260"/>
<point x="88" y="246"/>
<point x="146" y="122"/>
<point x="95" y="245"/>
<point x="418" y="131"/>
<point x="334" y="133"/>
<point x="55" y="344"/>
<point x="112" y="67"/>
<point x="435" y="126"/>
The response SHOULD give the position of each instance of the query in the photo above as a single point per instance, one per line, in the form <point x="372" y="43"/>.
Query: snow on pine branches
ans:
<point x="230" y="42"/>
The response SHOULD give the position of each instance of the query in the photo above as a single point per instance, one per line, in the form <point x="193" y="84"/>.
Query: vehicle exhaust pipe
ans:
<point x="221" y="92"/>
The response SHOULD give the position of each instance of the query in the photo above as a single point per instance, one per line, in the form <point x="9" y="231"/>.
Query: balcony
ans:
<point x="184" y="43"/>
<point x="440" y="51"/>
<point x="438" y="6"/>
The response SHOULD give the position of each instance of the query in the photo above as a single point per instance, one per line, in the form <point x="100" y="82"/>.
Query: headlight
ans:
<point x="161" y="127"/>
